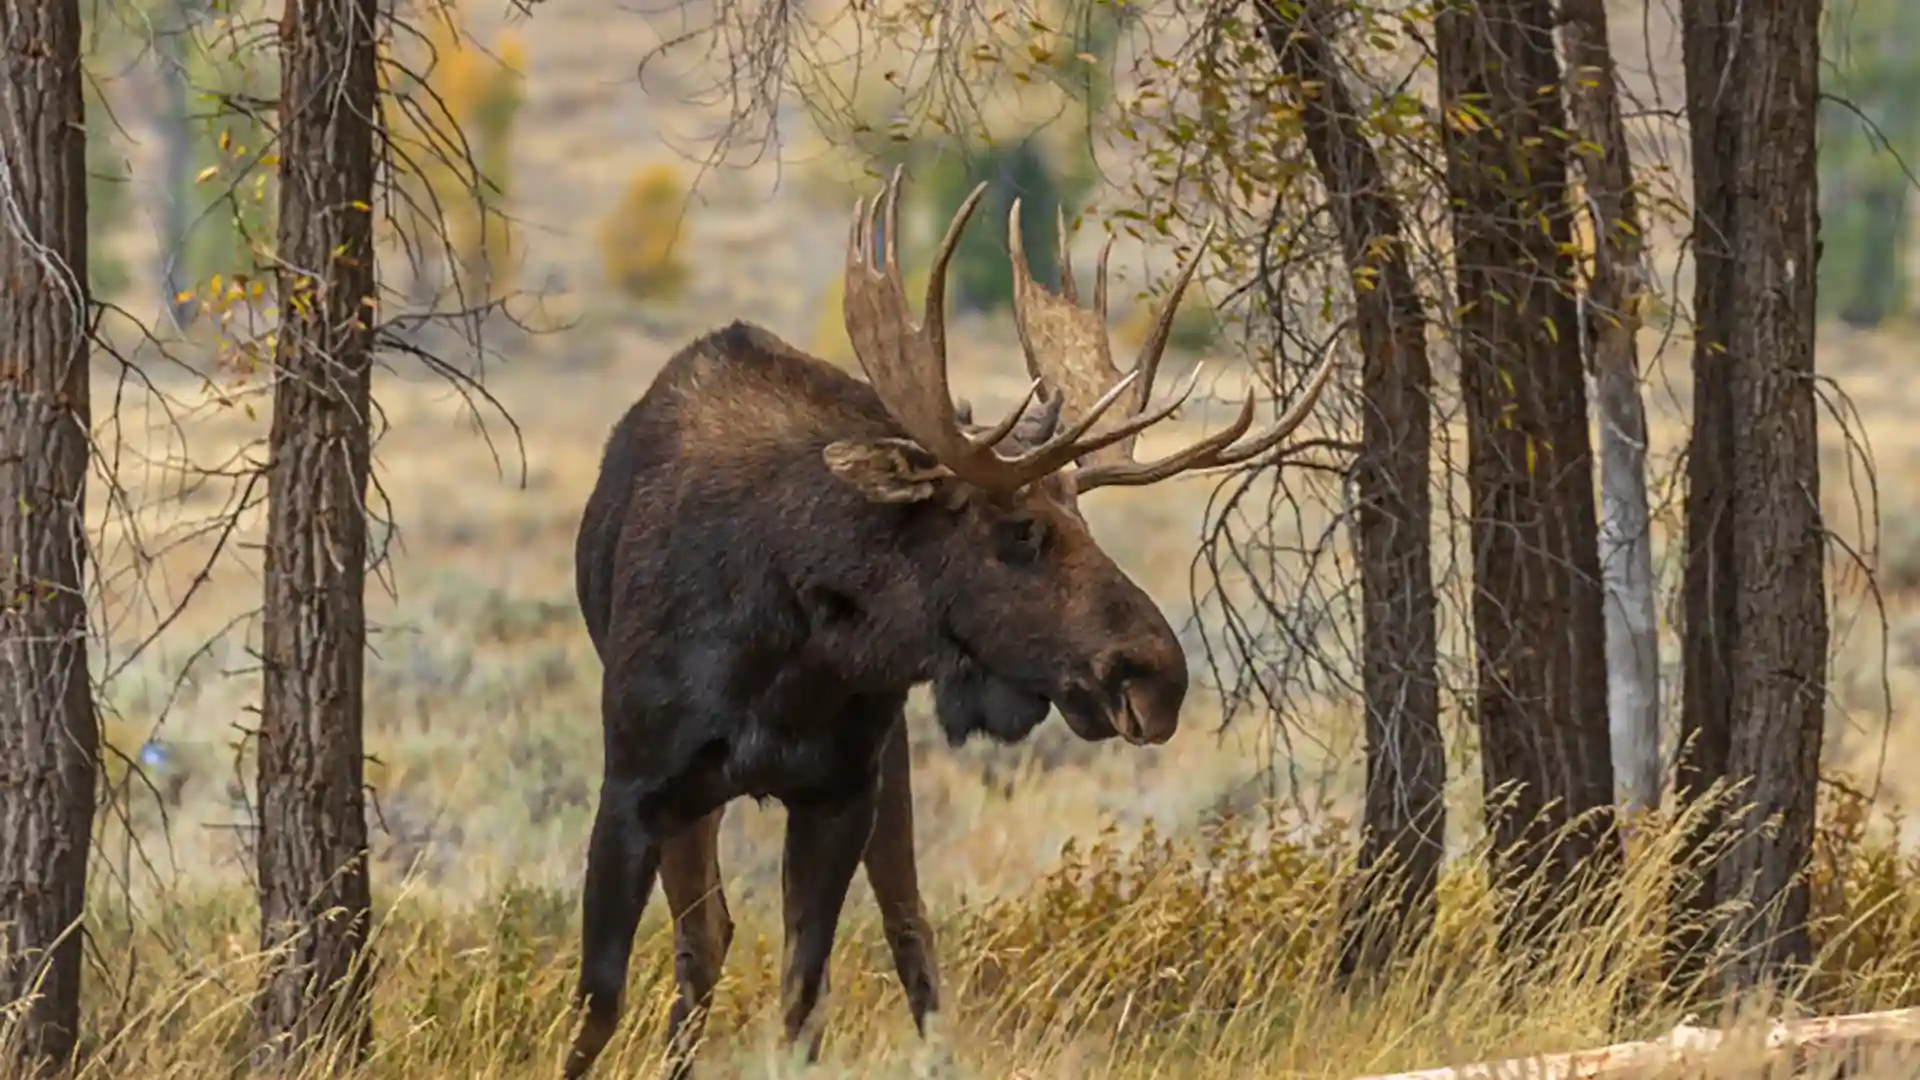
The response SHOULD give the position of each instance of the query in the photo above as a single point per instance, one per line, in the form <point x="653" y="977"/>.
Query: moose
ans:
<point x="775" y="552"/>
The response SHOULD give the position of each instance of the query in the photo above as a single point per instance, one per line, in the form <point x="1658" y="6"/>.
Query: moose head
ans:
<point x="1029" y="608"/>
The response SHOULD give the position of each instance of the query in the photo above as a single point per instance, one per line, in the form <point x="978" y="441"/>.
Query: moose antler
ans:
<point x="907" y="364"/>
<point x="1068" y="351"/>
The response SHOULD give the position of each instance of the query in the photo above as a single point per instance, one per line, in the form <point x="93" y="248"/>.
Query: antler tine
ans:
<point x="1067" y="345"/>
<point x="1217" y="450"/>
<point x="936" y="302"/>
<point x="1100" y="279"/>
<point x="907" y="364"/>
<point x="1063" y="343"/>
<point x="1155" y="346"/>
<point x="1070" y="445"/>
<point x="1068" y="287"/>
<point x="992" y="436"/>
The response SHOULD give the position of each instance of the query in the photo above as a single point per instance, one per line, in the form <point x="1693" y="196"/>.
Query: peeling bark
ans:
<point x="1619" y="287"/>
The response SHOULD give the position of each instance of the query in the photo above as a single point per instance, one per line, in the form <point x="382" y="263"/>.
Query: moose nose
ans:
<point x="1147" y="693"/>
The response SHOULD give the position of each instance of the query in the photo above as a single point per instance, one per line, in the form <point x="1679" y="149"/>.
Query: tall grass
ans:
<point x="1213" y="956"/>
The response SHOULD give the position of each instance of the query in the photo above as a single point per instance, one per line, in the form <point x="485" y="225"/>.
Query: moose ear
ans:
<point x="887" y="470"/>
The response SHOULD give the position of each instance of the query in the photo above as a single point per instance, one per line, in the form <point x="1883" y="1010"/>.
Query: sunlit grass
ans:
<point x="1209" y="956"/>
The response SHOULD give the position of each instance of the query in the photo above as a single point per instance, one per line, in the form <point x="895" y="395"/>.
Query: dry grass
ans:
<point x="1203" y="957"/>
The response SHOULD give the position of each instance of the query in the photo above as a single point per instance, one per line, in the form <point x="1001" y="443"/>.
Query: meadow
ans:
<point x="1103" y="911"/>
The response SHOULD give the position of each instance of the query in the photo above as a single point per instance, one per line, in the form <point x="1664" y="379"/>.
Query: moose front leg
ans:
<point x="623" y="857"/>
<point x="896" y="880"/>
<point x="824" y="843"/>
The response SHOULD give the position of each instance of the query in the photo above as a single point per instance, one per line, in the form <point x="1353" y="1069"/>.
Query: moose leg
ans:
<point x="824" y="842"/>
<point x="622" y="860"/>
<point x="896" y="880"/>
<point x="702" y="932"/>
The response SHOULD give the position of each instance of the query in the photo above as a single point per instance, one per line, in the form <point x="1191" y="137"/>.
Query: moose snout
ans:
<point x="1147" y="691"/>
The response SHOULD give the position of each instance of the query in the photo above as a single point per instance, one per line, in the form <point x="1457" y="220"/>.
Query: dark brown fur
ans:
<point x="766" y="566"/>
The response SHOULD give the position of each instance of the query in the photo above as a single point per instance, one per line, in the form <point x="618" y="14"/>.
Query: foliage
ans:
<point x="451" y="118"/>
<point x="234" y="203"/>
<point x="1210" y="956"/>
<point x="1870" y="129"/>
<point x="642" y="239"/>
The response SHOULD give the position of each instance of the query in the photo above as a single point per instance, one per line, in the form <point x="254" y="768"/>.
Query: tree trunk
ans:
<point x="48" y="731"/>
<point x="314" y="892"/>
<point x="1405" y="818"/>
<point x="1762" y="97"/>
<point x="49" y="734"/>
<point x="1619" y="286"/>
<point x="1540" y="650"/>
<point x="1710" y="616"/>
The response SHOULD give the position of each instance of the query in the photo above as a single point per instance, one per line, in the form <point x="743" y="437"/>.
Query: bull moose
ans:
<point x="775" y="552"/>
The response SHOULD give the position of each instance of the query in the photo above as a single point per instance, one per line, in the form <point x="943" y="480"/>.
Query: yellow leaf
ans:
<point x="207" y="174"/>
<point x="1533" y="455"/>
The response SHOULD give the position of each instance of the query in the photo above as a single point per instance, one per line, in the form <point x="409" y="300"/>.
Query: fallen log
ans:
<point x="1789" y="1043"/>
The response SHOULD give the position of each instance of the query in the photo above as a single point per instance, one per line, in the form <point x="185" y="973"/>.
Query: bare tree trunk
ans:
<point x="1405" y="818"/>
<point x="1619" y="287"/>
<point x="1710" y="614"/>
<point x="1765" y="90"/>
<point x="48" y="730"/>
<point x="313" y="877"/>
<point x="1538" y="628"/>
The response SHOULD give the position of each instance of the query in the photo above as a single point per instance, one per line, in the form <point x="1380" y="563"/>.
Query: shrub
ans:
<point x="641" y="240"/>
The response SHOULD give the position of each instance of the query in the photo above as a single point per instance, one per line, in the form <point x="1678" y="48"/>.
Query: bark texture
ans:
<point x="314" y="892"/>
<point x="1405" y="815"/>
<point x="1540" y="652"/>
<point x="1752" y="86"/>
<point x="1709" y="613"/>
<point x="48" y="729"/>
<point x="1614" y="295"/>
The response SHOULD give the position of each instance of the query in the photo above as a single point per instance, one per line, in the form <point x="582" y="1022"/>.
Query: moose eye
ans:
<point x="1019" y="541"/>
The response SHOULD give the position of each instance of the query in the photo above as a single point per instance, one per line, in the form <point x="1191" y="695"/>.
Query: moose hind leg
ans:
<point x="824" y="844"/>
<point x="622" y="860"/>
<point x="892" y="873"/>
<point x="702" y="933"/>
